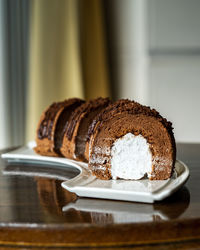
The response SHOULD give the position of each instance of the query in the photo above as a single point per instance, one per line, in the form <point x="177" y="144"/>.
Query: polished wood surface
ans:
<point x="35" y="211"/>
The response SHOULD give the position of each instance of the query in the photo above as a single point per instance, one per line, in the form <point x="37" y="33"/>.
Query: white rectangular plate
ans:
<point x="87" y="185"/>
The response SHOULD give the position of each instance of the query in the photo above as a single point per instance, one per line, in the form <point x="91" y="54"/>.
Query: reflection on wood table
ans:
<point x="35" y="211"/>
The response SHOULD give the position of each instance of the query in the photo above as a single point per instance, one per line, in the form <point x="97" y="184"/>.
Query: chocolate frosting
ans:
<point x="46" y="125"/>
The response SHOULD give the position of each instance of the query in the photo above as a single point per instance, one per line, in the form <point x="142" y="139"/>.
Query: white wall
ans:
<point x="174" y="25"/>
<point x="132" y="49"/>
<point x="128" y="48"/>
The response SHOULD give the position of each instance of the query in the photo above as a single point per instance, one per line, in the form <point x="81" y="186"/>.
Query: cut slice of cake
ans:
<point x="75" y="137"/>
<point x="130" y="141"/>
<point x="52" y="125"/>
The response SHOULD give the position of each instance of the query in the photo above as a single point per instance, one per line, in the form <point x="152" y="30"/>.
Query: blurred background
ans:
<point x="145" y="50"/>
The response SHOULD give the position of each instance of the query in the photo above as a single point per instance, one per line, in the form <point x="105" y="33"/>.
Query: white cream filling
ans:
<point x="131" y="157"/>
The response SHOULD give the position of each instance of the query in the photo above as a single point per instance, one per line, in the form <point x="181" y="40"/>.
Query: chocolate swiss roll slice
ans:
<point x="76" y="134"/>
<point x="130" y="141"/>
<point x="52" y="124"/>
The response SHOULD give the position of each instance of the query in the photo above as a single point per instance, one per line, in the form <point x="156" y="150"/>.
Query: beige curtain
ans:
<point x="67" y="55"/>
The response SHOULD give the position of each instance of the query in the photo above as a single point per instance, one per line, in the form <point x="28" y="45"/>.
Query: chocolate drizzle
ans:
<point x="46" y="125"/>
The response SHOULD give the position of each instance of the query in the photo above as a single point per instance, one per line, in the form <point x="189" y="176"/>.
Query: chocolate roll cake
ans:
<point x="129" y="141"/>
<point x="76" y="134"/>
<point x="52" y="125"/>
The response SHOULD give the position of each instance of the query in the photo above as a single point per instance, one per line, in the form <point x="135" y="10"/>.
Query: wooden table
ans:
<point x="35" y="211"/>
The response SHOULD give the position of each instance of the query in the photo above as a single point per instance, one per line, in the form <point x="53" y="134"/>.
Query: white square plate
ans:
<point x="87" y="185"/>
